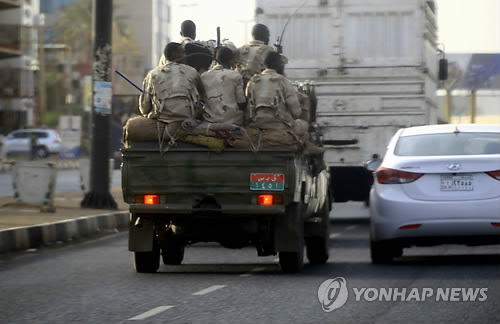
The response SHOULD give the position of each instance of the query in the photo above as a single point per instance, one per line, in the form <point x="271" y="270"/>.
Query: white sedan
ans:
<point x="18" y="141"/>
<point x="437" y="184"/>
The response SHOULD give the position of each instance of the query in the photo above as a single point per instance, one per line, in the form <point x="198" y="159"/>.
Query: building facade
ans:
<point x="150" y="22"/>
<point x="18" y="54"/>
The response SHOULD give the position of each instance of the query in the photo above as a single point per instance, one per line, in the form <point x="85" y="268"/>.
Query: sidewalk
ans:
<point x="24" y="226"/>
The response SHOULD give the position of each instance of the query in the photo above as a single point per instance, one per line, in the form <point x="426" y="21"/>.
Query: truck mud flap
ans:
<point x="140" y="238"/>
<point x="289" y="229"/>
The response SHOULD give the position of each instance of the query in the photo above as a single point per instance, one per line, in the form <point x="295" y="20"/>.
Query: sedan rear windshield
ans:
<point x="448" y="144"/>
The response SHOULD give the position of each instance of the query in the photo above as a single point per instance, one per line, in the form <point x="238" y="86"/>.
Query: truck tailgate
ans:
<point x="185" y="177"/>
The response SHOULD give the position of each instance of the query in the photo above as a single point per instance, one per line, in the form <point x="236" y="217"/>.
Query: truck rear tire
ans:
<point x="317" y="246"/>
<point x="147" y="262"/>
<point x="294" y="261"/>
<point x="173" y="253"/>
<point x="291" y="261"/>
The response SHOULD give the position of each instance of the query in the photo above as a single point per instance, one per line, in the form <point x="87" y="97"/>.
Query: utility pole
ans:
<point x="99" y="196"/>
<point x="41" y="75"/>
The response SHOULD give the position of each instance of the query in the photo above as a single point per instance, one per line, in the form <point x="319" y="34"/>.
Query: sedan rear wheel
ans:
<point x="384" y="252"/>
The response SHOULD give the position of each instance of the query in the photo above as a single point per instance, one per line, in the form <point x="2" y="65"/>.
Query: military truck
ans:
<point x="275" y="198"/>
<point x="272" y="199"/>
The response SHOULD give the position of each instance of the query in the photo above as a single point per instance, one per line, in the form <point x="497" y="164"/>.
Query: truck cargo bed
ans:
<point x="187" y="175"/>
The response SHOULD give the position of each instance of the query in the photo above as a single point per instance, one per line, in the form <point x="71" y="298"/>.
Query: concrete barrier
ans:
<point x="36" y="236"/>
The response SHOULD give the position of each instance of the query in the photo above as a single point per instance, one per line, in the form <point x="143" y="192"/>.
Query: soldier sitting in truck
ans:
<point x="192" y="47"/>
<point x="251" y="56"/>
<point x="225" y="95"/>
<point x="272" y="99"/>
<point x="273" y="103"/>
<point x="172" y="92"/>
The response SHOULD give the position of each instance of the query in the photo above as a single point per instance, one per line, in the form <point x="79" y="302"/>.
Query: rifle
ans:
<point x="132" y="83"/>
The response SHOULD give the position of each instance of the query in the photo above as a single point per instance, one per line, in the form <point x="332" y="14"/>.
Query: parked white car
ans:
<point x="19" y="141"/>
<point x="437" y="184"/>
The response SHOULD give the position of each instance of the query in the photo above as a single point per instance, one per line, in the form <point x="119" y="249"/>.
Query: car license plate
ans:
<point x="457" y="183"/>
<point x="267" y="181"/>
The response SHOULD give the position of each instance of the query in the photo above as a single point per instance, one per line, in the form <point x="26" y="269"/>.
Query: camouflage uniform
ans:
<point x="224" y="88"/>
<point x="171" y="93"/>
<point x="272" y="101"/>
<point x="251" y="58"/>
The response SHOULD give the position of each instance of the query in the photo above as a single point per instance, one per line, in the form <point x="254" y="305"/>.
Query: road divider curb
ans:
<point x="36" y="236"/>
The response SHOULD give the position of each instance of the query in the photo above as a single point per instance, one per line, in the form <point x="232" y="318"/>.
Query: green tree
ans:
<point x="74" y="28"/>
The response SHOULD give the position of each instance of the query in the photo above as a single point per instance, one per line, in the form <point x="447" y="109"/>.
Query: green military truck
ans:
<point x="275" y="199"/>
<point x="271" y="195"/>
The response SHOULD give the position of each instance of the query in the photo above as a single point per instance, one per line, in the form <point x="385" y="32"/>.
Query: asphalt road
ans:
<point x="94" y="282"/>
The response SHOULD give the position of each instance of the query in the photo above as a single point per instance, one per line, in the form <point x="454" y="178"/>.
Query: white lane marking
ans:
<point x="208" y="290"/>
<point x="150" y="313"/>
<point x="334" y="235"/>
<point x="245" y="275"/>
<point x="349" y="228"/>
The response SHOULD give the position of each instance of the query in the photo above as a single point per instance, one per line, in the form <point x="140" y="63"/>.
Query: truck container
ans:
<point x="374" y="65"/>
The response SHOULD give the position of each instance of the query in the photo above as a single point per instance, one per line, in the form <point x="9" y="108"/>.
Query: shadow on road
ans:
<point x="466" y="259"/>
<point x="226" y="268"/>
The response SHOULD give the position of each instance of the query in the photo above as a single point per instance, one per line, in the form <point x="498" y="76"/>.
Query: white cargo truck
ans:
<point x="374" y="64"/>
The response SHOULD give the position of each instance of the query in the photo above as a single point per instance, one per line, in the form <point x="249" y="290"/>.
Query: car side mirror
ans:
<point x="443" y="69"/>
<point x="372" y="165"/>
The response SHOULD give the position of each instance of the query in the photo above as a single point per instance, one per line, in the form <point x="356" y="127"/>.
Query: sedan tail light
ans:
<point x="390" y="176"/>
<point x="494" y="174"/>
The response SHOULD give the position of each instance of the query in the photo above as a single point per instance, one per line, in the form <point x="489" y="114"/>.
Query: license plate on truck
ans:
<point x="457" y="183"/>
<point x="267" y="181"/>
